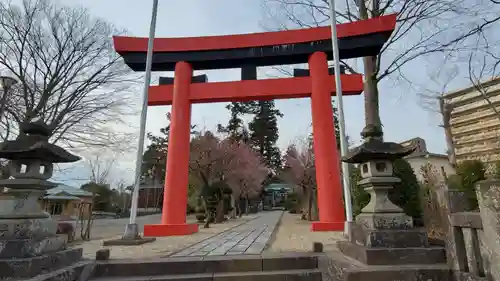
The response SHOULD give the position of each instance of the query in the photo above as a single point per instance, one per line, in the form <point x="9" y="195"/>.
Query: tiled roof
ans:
<point x="73" y="191"/>
<point x="61" y="197"/>
<point x="279" y="186"/>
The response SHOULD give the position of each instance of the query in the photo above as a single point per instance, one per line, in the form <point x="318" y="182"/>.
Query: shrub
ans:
<point x="292" y="203"/>
<point x="201" y="217"/>
<point x="360" y="197"/>
<point x="469" y="173"/>
<point x="406" y="194"/>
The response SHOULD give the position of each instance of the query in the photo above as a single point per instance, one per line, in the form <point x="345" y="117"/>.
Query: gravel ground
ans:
<point x="294" y="235"/>
<point x="163" y="246"/>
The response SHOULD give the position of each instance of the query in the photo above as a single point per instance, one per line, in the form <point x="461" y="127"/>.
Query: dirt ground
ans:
<point x="294" y="235"/>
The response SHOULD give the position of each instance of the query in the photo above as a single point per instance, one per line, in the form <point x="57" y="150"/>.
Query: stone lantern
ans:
<point x="28" y="241"/>
<point x="383" y="234"/>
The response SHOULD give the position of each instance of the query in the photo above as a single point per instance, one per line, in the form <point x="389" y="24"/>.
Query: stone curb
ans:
<point x="275" y="231"/>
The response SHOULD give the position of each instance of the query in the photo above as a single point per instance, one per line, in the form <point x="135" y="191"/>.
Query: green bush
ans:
<point x="292" y="203"/>
<point x="469" y="173"/>
<point x="360" y="197"/>
<point x="404" y="194"/>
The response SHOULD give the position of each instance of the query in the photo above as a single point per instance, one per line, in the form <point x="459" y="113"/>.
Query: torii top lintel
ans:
<point x="356" y="39"/>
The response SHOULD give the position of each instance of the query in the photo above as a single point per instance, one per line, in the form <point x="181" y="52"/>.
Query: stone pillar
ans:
<point x="488" y="195"/>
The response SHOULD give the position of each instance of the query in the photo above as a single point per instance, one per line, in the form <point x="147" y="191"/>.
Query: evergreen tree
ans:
<point x="264" y="132"/>
<point x="154" y="159"/>
<point x="235" y="127"/>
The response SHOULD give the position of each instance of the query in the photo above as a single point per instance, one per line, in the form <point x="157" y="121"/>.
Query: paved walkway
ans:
<point x="248" y="238"/>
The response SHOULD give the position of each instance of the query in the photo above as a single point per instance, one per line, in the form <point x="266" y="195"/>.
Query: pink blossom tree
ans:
<point x="221" y="164"/>
<point x="246" y="176"/>
<point x="300" y="171"/>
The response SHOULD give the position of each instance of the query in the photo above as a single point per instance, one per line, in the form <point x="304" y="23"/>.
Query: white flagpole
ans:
<point x="340" y="106"/>
<point x="132" y="228"/>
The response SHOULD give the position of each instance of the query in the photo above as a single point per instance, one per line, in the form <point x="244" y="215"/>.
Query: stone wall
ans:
<point x="488" y="195"/>
<point x="472" y="237"/>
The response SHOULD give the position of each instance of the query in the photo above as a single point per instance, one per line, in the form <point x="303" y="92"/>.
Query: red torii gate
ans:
<point x="248" y="51"/>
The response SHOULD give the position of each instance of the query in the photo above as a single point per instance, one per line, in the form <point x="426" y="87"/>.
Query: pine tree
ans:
<point x="154" y="159"/>
<point x="236" y="128"/>
<point x="264" y="132"/>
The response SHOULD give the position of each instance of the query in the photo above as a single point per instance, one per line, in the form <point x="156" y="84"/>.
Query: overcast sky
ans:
<point x="402" y="116"/>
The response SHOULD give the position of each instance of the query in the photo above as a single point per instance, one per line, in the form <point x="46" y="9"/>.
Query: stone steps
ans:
<point x="282" y="267"/>
<point x="24" y="268"/>
<point x="72" y="272"/>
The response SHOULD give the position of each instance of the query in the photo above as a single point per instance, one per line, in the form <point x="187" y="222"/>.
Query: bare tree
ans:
<point x="423" y="27"/>
<point x="477" y="61"/>
<point x="442" y="80"/>
<point x="100" y="169"/>
<point x="69" y="75"/>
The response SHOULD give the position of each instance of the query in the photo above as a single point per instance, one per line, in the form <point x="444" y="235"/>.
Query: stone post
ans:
<point x="451" y="201"/>
<point x="488" y="195"/>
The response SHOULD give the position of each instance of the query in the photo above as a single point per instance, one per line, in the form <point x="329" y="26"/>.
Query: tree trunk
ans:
<point x="234" y="206"/>
<point x="208" y="215"/>
<point x="219" y="212"/>
<point x="314" y="205"/>
<point x="371" y="95"/>
<point x="372" y="114"/>
<point x="246" y="205"/>
<point x="309" y="199"/>
<point x="445" y="110"/>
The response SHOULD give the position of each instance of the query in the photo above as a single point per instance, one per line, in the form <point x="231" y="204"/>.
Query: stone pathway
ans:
<point x="248" y="238"/>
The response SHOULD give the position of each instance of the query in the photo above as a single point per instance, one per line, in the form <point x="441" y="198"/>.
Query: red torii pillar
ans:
<point x="173" y="221"/>
<point x="329" y="187"/>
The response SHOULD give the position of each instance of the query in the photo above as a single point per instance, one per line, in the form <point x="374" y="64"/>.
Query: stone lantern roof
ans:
<point x="33" y="144"/>
<point x="373" y="148"/>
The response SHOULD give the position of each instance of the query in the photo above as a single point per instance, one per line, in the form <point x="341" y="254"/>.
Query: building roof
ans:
<point x="472" y="88"/>
<point x="63" y="196"/>
<point x="278" y="187"/>
<point x="427" y="155"/>
<point x="71" y="191"/>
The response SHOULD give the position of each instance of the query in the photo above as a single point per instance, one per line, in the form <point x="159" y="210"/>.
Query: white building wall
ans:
<point x="417" y="162"/>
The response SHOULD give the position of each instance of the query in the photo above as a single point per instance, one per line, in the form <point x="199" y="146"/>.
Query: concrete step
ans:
<point x="199" y="265"/>
<point x="393" y="256"/>
<point x="284" y="275"/>
<point x="338" y="267"/>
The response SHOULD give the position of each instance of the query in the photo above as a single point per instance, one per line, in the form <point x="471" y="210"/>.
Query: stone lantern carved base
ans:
<point x="29" y="245"/>
<point x="385" y="221"/>
<point x="384" y="235"/>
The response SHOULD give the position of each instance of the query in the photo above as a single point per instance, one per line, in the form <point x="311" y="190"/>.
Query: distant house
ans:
<point x="65" y="201"/>
<point x="275" y="194"/>
<point x="421" y="157"/>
